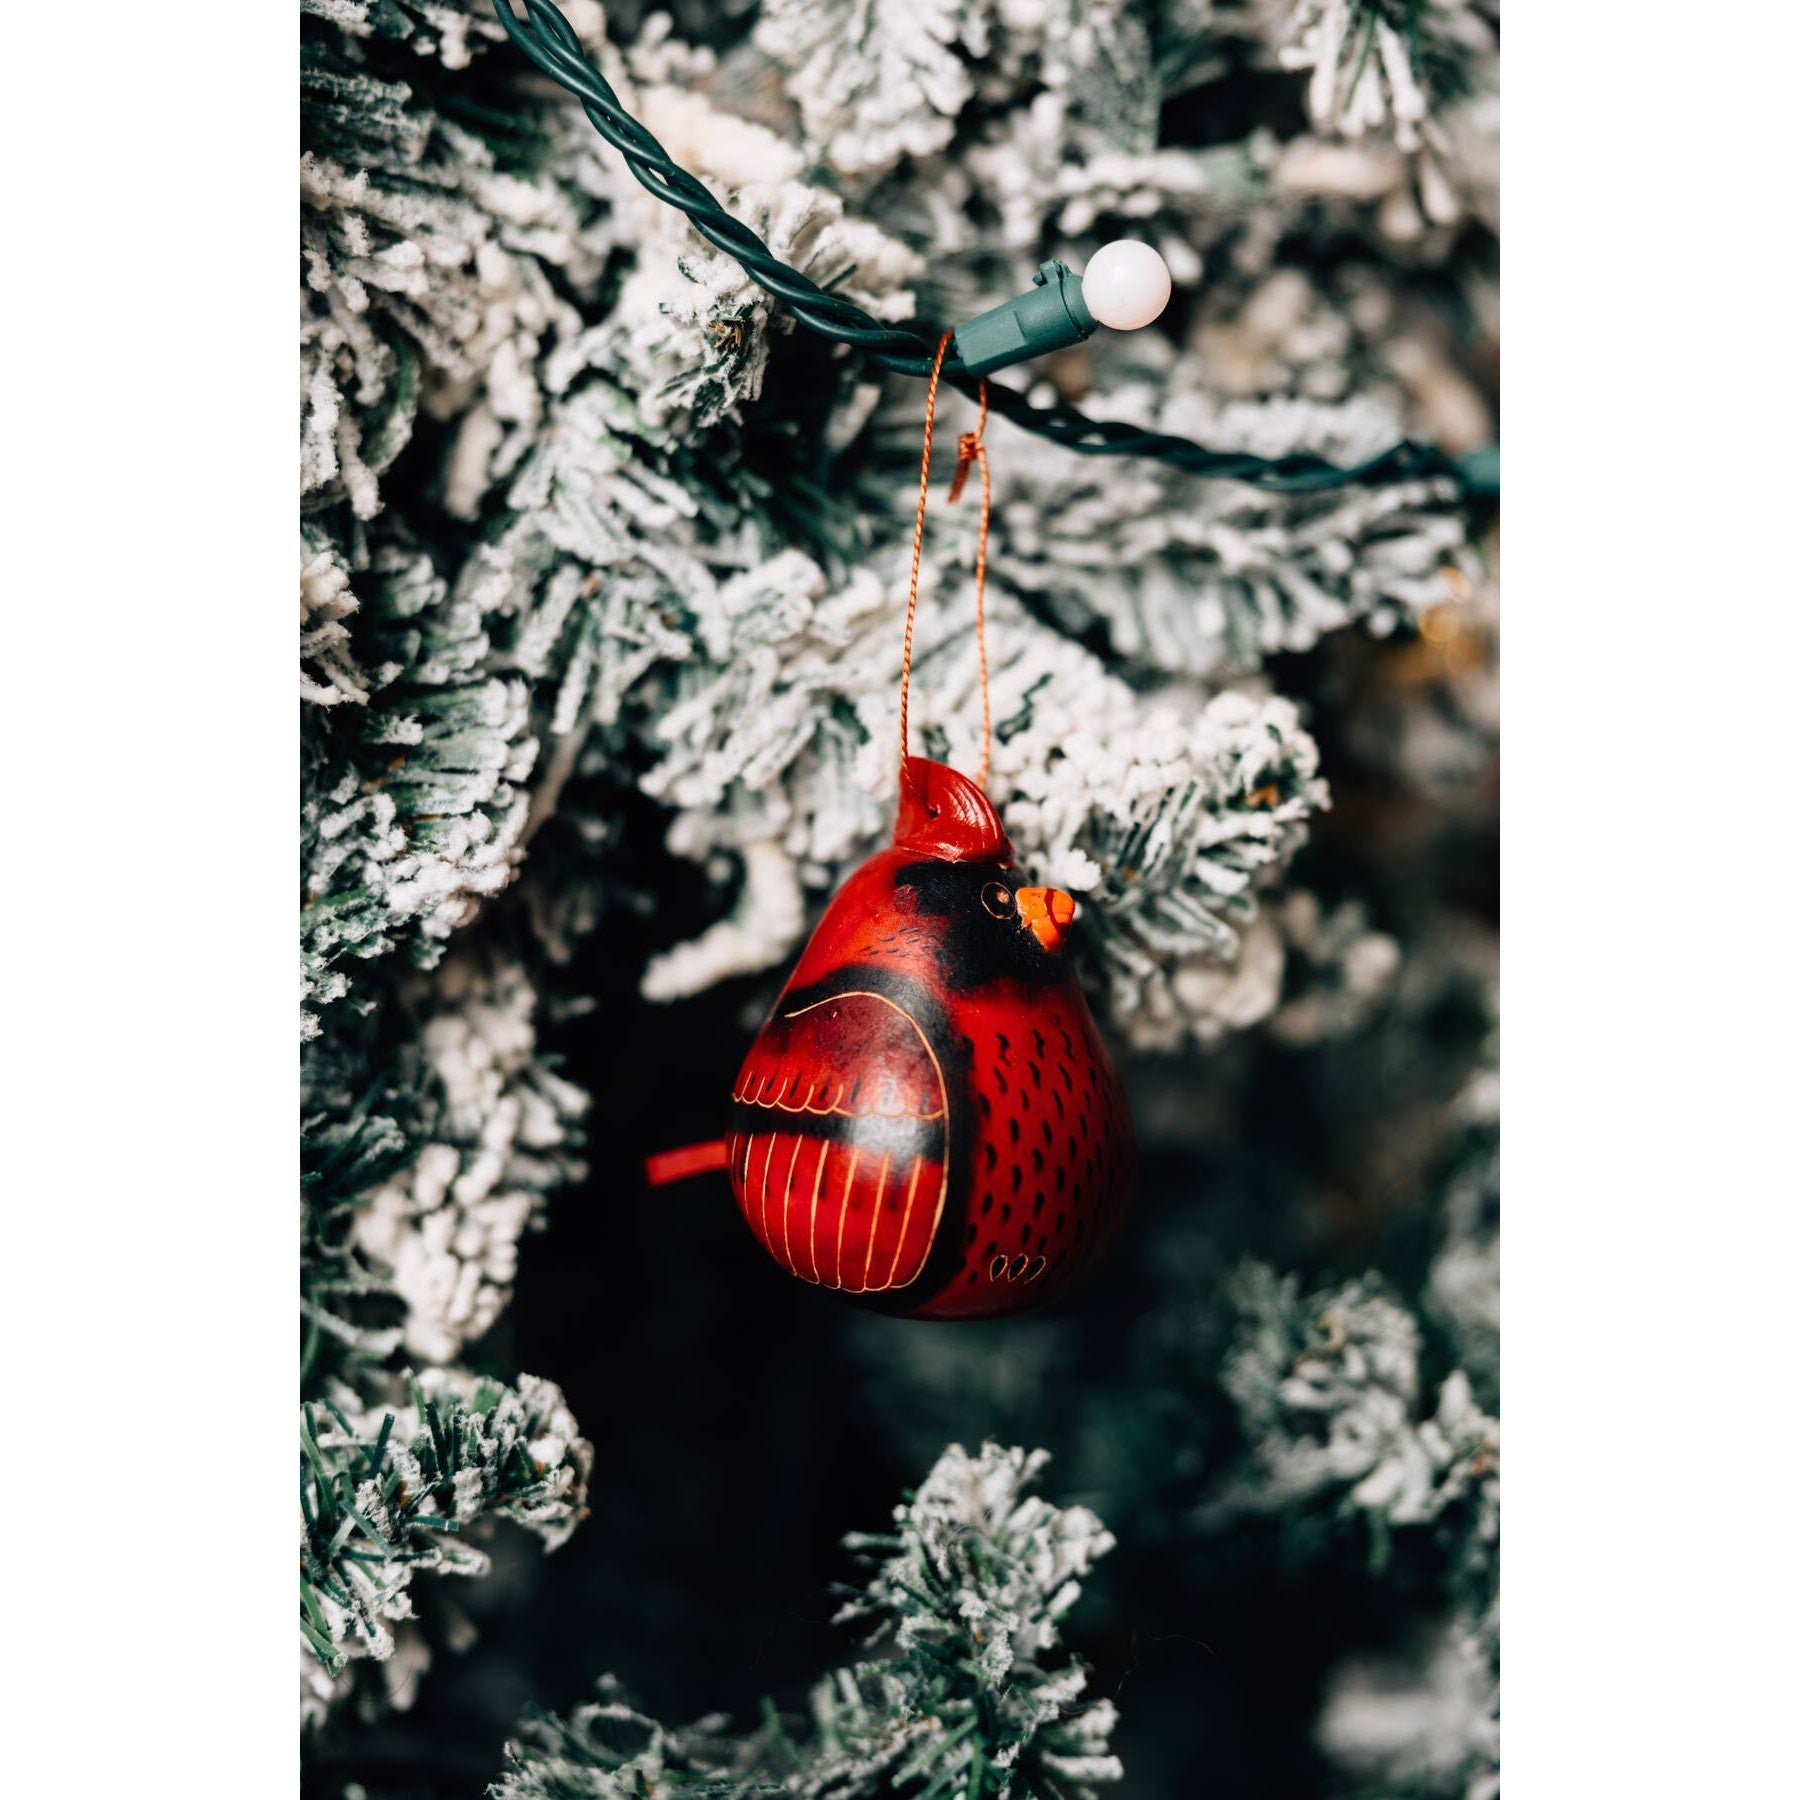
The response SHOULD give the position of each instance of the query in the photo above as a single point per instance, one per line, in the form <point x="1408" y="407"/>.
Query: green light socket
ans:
<point x="1052" y="316"/>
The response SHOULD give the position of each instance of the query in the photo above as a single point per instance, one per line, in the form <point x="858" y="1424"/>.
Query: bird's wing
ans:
<point x="838" y="1147"/>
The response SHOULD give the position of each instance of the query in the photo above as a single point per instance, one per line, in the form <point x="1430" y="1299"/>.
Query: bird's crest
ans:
<point x="944" y="814"/>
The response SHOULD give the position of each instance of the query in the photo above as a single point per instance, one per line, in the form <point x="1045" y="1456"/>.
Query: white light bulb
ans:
<point x="1126" y="285"/>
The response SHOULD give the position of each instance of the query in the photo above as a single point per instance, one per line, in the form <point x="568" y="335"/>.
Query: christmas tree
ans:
<point x="603" y="564"/>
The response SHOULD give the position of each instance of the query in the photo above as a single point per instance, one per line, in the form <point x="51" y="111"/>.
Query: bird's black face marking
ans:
<point x="982" y="936"/>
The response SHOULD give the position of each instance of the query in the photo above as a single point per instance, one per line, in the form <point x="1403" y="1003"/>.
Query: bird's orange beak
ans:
<point x="1049" y="912"/>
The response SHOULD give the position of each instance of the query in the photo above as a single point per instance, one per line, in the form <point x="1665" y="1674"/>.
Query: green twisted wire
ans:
<point x="549" y="41"/>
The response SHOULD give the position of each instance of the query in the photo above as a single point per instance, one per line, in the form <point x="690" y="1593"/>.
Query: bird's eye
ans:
<point x="997" y="898"/>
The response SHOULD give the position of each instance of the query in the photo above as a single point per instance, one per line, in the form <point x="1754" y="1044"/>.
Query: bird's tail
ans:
<point x="691" y="1159"/>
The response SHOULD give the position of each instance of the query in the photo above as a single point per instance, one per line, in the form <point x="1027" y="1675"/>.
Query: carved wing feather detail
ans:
<point x="838" y="1159"/>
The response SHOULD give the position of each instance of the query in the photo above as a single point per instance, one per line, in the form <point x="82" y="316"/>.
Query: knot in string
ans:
<point x="971" y="449"/>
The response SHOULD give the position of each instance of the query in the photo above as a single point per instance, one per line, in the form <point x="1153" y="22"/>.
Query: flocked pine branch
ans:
<point x="414" y="802"/>
<point x="1328" y="1394"/>
<point x="876" y="80"/>
<point x="424" y="259"/>
<point x="1462" y="1288"/>
<point x="602" y="586"/>
<point x="425" y="1166"/>
<point x="961" y="1690"/>
<point x="446" y="29"/>
<point x="391" y="1495"/>
<point x="499" y="1134"/>
<point x="1161" y="819"/>
<point x="1219" y="580"/>
<point x="1384" y="64"/>
<point x="1327" y="1388"/>
<point x="971" y="1588"/>
<point x="350" y="1142"/>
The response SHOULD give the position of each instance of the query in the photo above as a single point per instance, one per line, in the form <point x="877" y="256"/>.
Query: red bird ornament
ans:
<point x="928" y="1120"/>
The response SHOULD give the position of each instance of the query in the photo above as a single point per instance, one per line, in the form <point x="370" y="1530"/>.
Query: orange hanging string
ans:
<point x="970" y="448"/>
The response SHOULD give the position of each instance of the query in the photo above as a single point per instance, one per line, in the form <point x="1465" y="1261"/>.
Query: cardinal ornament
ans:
<point x="928" y="1120"/>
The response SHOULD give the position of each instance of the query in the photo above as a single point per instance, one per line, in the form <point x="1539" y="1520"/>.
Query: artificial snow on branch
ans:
<point x="412" y="811"/>
<point x="1327" y="1390"/>
<point x="500" y="1128"/>
<point x="1200" y="583"/>
<point x="629" y="593"/>
<point x="961" y="1689"/>
<point x="1381" y="64"/>
<point x="388" y="1496"/>
<point x="876" y="80"/>
<point x="1160" y="818"/>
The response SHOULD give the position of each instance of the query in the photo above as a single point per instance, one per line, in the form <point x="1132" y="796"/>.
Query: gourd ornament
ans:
<point x="928" y="1121"/>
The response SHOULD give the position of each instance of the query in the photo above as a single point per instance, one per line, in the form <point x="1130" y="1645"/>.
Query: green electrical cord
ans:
<point x="548" y="39"/>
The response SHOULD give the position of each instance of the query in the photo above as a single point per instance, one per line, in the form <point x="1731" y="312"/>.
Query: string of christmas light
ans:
<point x="549" y="41"/>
